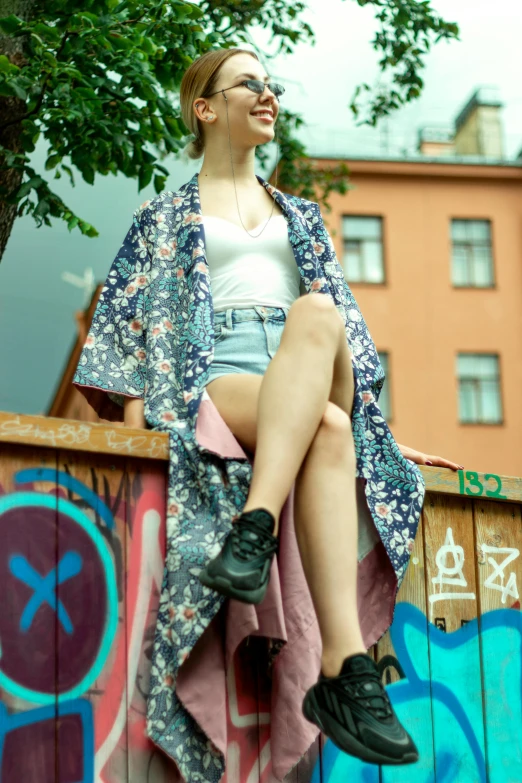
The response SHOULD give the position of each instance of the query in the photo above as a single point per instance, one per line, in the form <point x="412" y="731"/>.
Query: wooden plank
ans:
<point x="471" y="484"/>
<point x="405" y="665"/>
<point x="92" y="653"/>
<point x="82" y="436"/>
<point x="106" y="438"/>
<point x="304" y="769"/>
<point x="412" y="592"/>
<point x="28" y="621"/>
<point x="248" y="715"/>
<point x="455" y="667"/>
<point x="145" y="501"/>
<point x="498" y="544"/>
<point x="499" y="576"/>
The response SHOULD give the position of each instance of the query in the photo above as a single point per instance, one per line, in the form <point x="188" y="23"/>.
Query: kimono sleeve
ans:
<point x="112" y="363"/>
<point x="373" y="369"/>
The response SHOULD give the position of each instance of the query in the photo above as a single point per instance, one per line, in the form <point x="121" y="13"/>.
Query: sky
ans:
<point x="37" y="307"/>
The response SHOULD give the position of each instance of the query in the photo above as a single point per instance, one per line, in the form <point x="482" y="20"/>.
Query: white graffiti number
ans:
<point x="510" y="588"/>
<point x="449" y="573"/>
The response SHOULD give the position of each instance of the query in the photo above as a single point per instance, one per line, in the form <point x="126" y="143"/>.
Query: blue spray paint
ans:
<point x="62" y="479"/>
<point x="80" y="708"/>
<point x="44" y="587"/>
<point x="459" y="755"/>
<point x="62" y="506"/>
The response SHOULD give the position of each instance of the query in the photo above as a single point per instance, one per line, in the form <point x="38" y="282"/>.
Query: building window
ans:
<point x="479" y="389"/>
<point x="384" y="399"/>
<point x="472" y="258"/>
<point x="362" y="249"/>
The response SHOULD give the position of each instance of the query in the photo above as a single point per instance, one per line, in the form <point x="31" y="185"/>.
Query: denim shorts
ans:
<point x="246" y="339"/>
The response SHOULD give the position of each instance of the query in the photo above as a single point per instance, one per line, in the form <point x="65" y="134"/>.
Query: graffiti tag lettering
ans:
<point x="449" y="574"/>
<point x="510" y="588"/>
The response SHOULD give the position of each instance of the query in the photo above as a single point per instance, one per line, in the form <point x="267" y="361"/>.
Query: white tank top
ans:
<point x="247" y="271"/>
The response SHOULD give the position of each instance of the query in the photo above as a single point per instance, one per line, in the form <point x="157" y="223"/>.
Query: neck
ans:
<point x="217" y="166"/>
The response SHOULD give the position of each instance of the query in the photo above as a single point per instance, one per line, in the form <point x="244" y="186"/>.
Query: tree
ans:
<point x="98" y="80"/>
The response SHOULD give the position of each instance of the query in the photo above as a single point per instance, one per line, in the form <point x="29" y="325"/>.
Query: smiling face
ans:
<point x="248" y="125"/>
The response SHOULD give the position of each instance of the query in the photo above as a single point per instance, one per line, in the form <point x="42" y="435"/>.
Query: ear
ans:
<point x="202" y="109"/>
<point x="197" y="107"/>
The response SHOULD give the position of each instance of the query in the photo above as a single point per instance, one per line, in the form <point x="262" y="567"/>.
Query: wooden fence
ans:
<point x="73" y="679"/>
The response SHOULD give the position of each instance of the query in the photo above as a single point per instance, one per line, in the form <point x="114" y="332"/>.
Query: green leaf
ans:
<point x="159" y="183"/>
<point x="69" y="171"/>
<point x="173" y="126"/>
<point x="144" y="176"/>
<point x="50" y="59"/>
<point x="85" y="92"/>
<point x="119" y="42"/>
<point x="88" y="174"/>
<point x="87" y="229"/>
<point x="18" y="90"/>
<point x="148" y="46"/>
<point x="34" y="182"/>
<point x="42" y="208"/>
<point x="10" y="24"/>
<point x="52" y="161"/>
<point x="48" y="33"/>
<point x="6" y="66"/>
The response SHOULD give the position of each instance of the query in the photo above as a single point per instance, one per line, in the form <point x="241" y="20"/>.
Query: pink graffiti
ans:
<point x="144" y="572"/>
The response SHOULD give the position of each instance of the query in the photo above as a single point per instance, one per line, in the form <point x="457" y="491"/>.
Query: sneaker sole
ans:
<point x="345" y="741"/>
<point x="224" y="586"/>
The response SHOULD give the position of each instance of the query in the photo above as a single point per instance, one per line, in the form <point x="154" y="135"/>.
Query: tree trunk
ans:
<point x="11" y="109"/>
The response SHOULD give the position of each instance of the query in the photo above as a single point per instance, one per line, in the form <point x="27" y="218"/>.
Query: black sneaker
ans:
<point x="354" y="711"/>
<point x="242" y="569"/>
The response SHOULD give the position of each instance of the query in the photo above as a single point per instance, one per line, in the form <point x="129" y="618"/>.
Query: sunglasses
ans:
<point x="256" y="86"/>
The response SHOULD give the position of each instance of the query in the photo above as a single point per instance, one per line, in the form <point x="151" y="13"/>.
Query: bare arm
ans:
<point x="133" y="412"/>
<point x="428" y="459"/>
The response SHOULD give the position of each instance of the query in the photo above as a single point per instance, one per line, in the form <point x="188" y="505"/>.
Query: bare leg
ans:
<point x="301" y="437"/>
<point x="312" y="364"/>
<point x="325" y="515"/>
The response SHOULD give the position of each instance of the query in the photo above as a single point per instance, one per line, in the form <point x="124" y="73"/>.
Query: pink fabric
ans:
<point x="286" y="613"/>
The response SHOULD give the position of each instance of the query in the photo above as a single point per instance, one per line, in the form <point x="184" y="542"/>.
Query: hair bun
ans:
<point x="194" y="149"/>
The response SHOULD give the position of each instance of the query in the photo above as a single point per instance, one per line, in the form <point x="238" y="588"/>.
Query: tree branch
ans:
<point x="39" y="102"/>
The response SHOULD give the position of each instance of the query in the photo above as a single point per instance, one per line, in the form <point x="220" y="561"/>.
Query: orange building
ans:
<point x="431" y="246"/>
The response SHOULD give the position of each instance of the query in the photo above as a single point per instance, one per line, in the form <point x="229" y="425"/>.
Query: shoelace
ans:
<point x="374" y="697"/>
<point x="249" y="539"/>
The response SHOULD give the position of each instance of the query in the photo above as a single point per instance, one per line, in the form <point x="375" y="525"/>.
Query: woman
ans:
<point x="227" y="312"/>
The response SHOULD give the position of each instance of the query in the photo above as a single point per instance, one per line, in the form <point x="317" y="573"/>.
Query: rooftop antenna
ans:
<point x="87" y="282"/>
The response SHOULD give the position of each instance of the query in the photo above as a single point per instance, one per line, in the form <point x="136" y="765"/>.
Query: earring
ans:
<point x="210" y="117"/>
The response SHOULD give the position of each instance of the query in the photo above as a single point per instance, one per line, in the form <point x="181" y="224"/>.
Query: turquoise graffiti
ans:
<point x="60" y="594"/>
<point x="42" y="587"/>
<point x="461" y="700"/>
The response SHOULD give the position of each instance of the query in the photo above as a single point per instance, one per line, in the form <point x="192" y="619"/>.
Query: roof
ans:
<point x="483" y="96"/>
<point x="64" y="386"/>
<point x="447" y="160"/>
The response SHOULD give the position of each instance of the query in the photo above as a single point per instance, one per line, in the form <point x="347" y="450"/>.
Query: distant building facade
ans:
<point x="431" y="246"/>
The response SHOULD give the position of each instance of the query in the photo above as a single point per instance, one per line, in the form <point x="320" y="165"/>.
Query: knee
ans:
<point x="335" y="434"/>
<point x="317" y="315"/>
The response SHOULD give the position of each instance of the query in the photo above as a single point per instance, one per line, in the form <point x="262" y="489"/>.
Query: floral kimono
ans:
<point x="152" y="337"/>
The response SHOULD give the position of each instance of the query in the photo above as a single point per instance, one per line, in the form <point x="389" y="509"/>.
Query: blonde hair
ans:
<point x="200" y="78"/>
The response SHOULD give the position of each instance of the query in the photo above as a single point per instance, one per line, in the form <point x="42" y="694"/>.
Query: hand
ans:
<point x="428" y="459"/>
<point x="134" y="412"/>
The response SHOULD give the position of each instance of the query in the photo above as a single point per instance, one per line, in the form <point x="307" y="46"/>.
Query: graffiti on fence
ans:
<point x="450" y="561"/>
<point x="75" y="639"/>
<point x="38" y="747"/>
<point x="458" y="724"/>
<point x="498" y="571"/>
